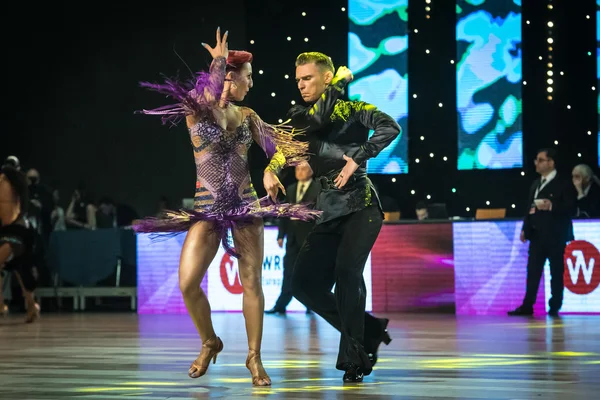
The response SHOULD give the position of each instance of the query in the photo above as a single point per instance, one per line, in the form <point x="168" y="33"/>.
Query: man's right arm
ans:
<point x="283" y="226"/>
<point x="283" y="223"/>
<point x="526" y="220"/>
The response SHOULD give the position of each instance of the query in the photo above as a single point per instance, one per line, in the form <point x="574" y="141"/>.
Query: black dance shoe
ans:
<point x="521" y="312"/>
<point x="275" y="311"/>
<point x="383" y="338"/>
<point x="353" y="374"/>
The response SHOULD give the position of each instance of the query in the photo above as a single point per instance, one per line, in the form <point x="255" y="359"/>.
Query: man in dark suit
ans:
<point x="306" y="190"/>
<point x="335" y="252"/>
<point x="548" y="226"/>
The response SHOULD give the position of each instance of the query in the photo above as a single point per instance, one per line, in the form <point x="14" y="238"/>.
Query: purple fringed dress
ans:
<point x="224" y="192"/>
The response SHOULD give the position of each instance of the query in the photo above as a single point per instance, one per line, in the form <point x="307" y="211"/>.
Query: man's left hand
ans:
<point x="546" y="205"/>
<point x="346" y="172"/>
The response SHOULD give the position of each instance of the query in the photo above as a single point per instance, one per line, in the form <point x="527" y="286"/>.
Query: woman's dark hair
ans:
<point x="20" y="185"/>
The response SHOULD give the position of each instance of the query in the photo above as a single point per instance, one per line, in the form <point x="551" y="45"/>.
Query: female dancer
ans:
<point x="17" y="239"/>
<point x="225" y="199"/>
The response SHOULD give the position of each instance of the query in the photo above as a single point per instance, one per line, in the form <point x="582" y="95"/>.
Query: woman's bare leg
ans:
<point x="199" y="249"/>
<point x="3" y="307"/>
<point x="249" y="242"/>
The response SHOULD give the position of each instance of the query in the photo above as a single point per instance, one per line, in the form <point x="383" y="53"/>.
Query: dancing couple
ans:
<point x="336" y="134"/>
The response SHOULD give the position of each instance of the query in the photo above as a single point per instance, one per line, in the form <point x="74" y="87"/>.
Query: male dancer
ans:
<point x="336" y="250"/>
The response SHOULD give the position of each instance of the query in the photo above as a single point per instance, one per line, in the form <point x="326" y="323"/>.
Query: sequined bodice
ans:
<point x="223" y="177"/>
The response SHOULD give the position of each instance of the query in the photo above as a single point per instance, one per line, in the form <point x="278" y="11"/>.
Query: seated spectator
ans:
<point x="588" y="192"/>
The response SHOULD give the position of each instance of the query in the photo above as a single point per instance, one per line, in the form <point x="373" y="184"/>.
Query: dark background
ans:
<point x="71" y="89"/>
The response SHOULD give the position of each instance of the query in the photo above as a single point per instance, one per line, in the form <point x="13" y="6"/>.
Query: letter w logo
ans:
<point x="232" y="273"/>
<point x="580" y="264"/>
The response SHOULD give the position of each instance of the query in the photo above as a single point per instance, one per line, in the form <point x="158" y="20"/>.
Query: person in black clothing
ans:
<point x="41" y="204"/>
<point x="548" y="226"/>
<point x="305" y="190"/>
<point x="422" y="211"/>
<point x="588" y="191"/>
<point x="81" y="213"/>
<point x="336" y="250"/>
<point x="18" y="241"/>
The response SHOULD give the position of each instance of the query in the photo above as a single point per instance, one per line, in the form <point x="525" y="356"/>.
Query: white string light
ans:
<point x="550" y="82"/>
<point x="550" y="40"/>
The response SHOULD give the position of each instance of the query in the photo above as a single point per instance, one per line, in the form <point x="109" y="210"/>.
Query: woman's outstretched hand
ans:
<point x="221" y="49"/>
<point x="272" y="185"/>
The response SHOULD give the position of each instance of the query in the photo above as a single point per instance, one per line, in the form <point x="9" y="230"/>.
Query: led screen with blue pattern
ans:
<point x="488" y="84"/>
<point x="378" y="57"/>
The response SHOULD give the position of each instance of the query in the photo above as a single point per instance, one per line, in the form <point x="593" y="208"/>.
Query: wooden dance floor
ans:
<point x="114" y="356"/>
